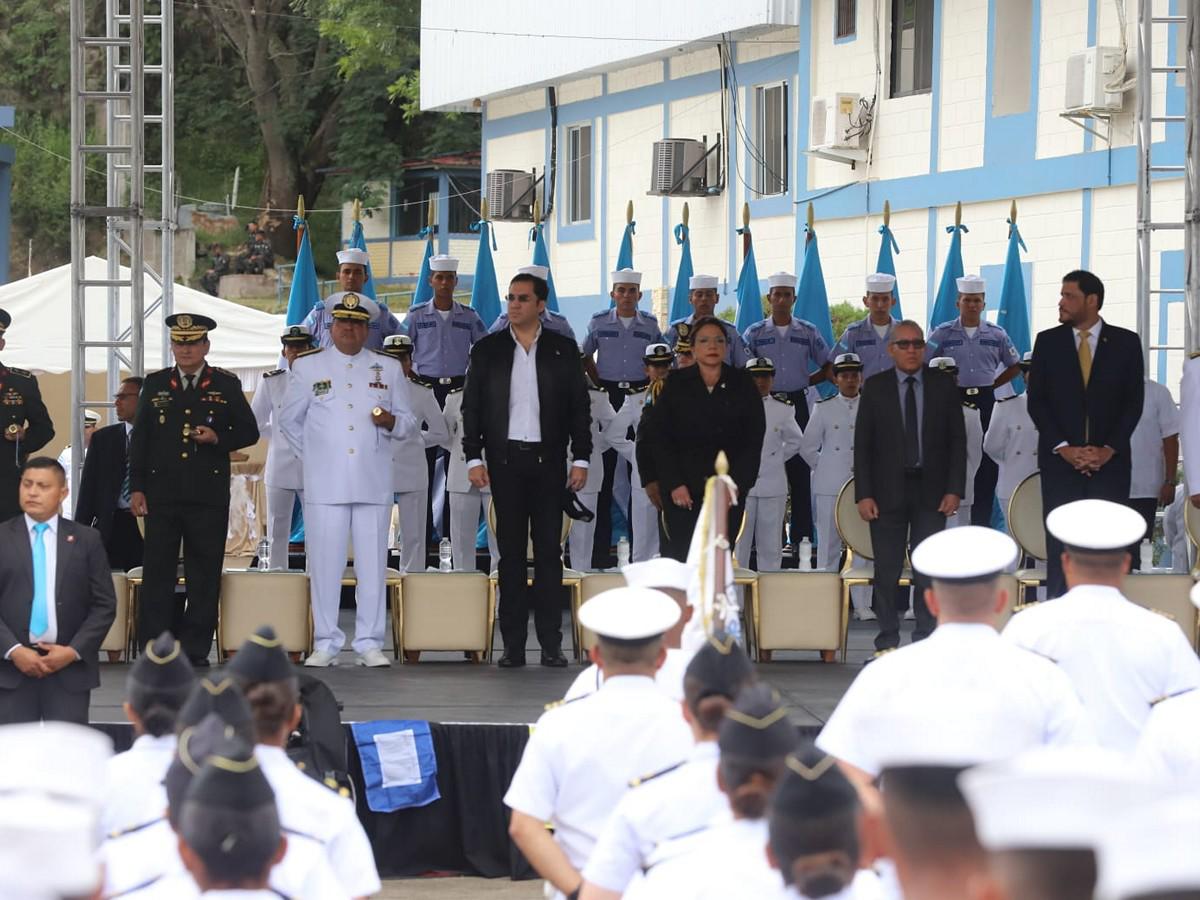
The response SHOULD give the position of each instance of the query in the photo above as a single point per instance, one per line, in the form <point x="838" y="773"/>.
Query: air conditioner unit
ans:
<point x="833" y="123"/>
<point x="510" y="195"/>
<point x="679" y="167"/>
<point x="1088" y="73"/>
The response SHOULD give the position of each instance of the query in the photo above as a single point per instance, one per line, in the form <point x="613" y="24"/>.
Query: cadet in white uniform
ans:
<point x="1011" y="441"/>
<point x="766" y="501"/>
<point x="66" y="459"/>
<point x="160" y="680"/>
<point x="410" y="468"/>
<point x="963" y="678"/>
<point x="1154" y="457"/>
<point x="1150" y="851"/>
<point x="466" y="500"/>
<point x="828" y="448"/>
<point x="667" y="805"/>
<point x="974" y="429"/>
<point x="582" y="755"/>
<point x="583" y="530"/>
<point x="1189" y="407"/>
<point x="344" y="406"/>
<point x="284" y="476"/>
<point x="1120" y="657"/>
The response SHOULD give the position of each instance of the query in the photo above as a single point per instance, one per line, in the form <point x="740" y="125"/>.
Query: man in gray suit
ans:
<point x="56" y="604"/>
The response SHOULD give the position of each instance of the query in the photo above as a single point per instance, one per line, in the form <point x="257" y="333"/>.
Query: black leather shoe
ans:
<point x="554" y="660"/>
<point x="512" y="661"/>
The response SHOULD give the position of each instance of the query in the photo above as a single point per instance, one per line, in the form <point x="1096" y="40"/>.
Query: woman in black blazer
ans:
<point x="704" y="409"/>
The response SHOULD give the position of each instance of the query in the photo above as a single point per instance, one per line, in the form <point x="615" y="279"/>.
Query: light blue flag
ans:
<point x="887" y="265"/>
<point x="423" y="292"/>
<point x="1013" y="315"/>
<point x="680" y="308"/>
<point x="359" y="242"/>
<point x="624" y="254"/>
<point x="541" y="257"/>
<point x="812" y="301"/>
<point x="485" y="296"/>
<point x="945" y="305"/>
<point x="398" y="763"/>
<point x="304" y="294"/>
<point x="749" y="302"/>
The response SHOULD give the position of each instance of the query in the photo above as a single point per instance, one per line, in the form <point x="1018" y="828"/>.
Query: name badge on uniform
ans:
<point x="427" y="324"/>
<point x="989" y="342"/>
<point x="800" y="340"/>
<point x="764" y="341"/>
<point x="320" y="388"/>
<point x="466" y="325"/>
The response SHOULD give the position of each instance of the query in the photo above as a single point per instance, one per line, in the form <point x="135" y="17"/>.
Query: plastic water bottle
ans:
<point x="1146" y="550"/>
<point x="805" y="555"/>
<point x="622" y="552"/>
<point x="445" y="557"/>
<point x="264" y="555"/>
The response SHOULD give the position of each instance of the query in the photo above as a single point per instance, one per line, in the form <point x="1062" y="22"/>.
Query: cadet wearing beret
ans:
<point x="190" y="417"/>
<point x="24" y="425"/>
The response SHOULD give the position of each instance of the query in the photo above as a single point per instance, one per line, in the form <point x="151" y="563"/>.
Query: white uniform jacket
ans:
<point x="1011" y="441"/>
<point x="828" y="444"/>
<point x="456" y="470"/>
<point x="410" y="471"/>
<point x="780" y="443"/>
<point x="602" y="414"/>
<point x="284" y="469"/>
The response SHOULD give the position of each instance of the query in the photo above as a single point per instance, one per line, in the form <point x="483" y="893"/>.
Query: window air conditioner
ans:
<point x="679" y="167"/>
<point x="510" y="195"/>
<point x="1087" y="75"/>
<point x="833" y="126"/>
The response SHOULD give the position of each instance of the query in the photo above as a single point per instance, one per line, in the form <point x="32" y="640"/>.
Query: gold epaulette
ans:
<point x="22" y="372"/>
<point x="1171" y="695"/>
<point x="783" y="398"/>
<point x="1021" y="607"/>
<point x="132" y="829"/>
<point x="557" y="703"/>
<point x="638" y="782"/>
<point x="304" y="353"/>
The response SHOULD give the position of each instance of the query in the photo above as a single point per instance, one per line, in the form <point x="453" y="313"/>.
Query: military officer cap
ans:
<point x="296" y="335"/>
<point x="261" y="658"/>
<point x="964" y="555"/>
<point x="659" y="354"/>
<point x="47" y="848"/>
<point x="757" y="726"/>
<point x="660" y="572"/>
<point x="397" y="344"/>
<point x="188" y="328"/>
<point x="944" y="364"/>
<point x="542" y="272"/>
<point x="58" y="758"/>
<point x="1026" y="361"/>
<point x="224" y="698"/>
<point x="880" y="283"/>
<point x="971" y="284"/>
<point x="354" y="256"/>
<point x="351" y="306"/>
<point x="1150" y="850"/>
<point x="847" y="362"/>
<point x="443" y="263"/>
<point x="702" y="283"/>
<point x="5" y="321"/>
<point x="760" y="365"/>
<point x="683" y="338"/>
<point x="91" y="417"/>
<point x="1096" y="525"/>
<point x="163" y="666"/>
<point x="631" y="614"/>
<point x="781" y="279"/>
<point x="626" y="276"/>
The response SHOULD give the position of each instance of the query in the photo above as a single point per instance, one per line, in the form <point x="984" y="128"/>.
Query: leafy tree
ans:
<point x="842" y="314"/>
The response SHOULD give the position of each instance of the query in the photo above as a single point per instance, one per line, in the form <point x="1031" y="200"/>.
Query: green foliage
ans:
<point x="35" y="47"/>
<point x="843" y="314"/>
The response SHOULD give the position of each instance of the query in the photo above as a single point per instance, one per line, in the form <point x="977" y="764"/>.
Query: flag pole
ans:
<point x="629" y="213"/>
<point x="300" y="214"/>
<point x="887" y="213"/>
<point x="745" y="230"/>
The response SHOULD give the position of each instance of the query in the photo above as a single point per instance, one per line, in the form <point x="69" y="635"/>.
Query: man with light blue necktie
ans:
<point x="56" y="604"/>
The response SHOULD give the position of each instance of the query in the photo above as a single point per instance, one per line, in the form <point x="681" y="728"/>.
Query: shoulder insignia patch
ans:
<point x="638" y="782"/>
<point x="1159" y="700"/>
<point x="132" y="829"/>
<point x="223" y="371"/>
<point x="557" y="703"/>
<point x="783" y="398"/>
<point x="309" y="352"/>
<point x="273" y="373"/>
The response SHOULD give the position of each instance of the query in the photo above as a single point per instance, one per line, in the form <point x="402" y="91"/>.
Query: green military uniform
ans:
<point x="187" y="488"/>
<point x="21" y="406"/>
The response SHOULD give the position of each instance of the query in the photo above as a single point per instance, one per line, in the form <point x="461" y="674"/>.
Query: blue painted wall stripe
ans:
<point x="935" y="102"/>
<point x="1085" y="230"/>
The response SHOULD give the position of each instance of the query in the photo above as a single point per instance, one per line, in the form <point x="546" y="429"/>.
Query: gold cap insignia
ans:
<point x="350" y="301"/>
<point x="183" y="321"/>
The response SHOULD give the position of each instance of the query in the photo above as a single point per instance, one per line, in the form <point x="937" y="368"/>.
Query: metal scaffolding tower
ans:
<point x="122" y="102"/>
<point x="1191" y="198"/>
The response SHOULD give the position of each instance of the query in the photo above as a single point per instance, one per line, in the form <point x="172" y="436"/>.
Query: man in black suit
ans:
<point x="525" y="398"/>
<point x="1088" y="399"/>
<point x="56" y="604"/>
<point x="910" y="470"/>
<point x="25" y="426"/>
<point x="104" y="492"/>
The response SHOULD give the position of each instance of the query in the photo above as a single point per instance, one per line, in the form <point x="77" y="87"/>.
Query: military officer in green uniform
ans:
<point x="190" y="417"/>
<point x="25" y="426"/>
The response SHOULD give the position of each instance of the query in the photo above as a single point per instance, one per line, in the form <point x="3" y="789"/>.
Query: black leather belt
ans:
<point x="445" y="380"/>
<point x="624" y="385"/>
<point x="985" y="391"/>
<point x="525" y="446"/>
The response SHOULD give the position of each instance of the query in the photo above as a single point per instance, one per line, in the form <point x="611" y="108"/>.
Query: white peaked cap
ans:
<point x="660" y="572"/>
<point x="541" y="272"/>
<point x="943" y="362"/>
<point x="1096" y="525"/>
<point x="1153" y="848"/>
<point x="353" y="255"/>
<point x="629" y="613"/>
<point x="47" y="848"/>
<point x="781" y="279"/>
<point x="58" y="758"/>
<point x="880" y="283"/>
<point x="443" y="263"/>
<point x="703" y="282"/>
<point x="964" y="554"/>
<point x="971" y="284"/>
<point x="626" y="276"/>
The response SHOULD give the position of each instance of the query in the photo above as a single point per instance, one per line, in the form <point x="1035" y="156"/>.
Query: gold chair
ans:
<point x="1191" y="524"/>
<point x="251" y="599"/>
<point x="119" y="637"/>
<point x="798" y="611"/>
<point x="1167" y="593"/>
<point x="133" y="579"/>
<point x="446" y="611"/>
<point x="1027" y="525"/>
<point x="593" y="583"/>
<point x="1012" y="586"/>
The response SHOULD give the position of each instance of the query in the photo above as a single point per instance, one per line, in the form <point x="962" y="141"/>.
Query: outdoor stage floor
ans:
<point x="444" y="687"/>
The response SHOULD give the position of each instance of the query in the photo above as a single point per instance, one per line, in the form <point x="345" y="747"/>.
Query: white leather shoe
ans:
<point x="373" y="659"/>
<point x="320" y="659"/>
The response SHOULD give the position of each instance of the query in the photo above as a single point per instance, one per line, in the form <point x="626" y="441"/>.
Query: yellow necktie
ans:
<point x="1085" y="355"/>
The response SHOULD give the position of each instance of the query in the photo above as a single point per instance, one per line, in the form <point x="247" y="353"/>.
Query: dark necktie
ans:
<point x="912" y="446"/>
<point x="125" y="491"/>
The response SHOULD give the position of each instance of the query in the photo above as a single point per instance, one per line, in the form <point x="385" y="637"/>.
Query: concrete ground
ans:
<point x="459" y="889"/>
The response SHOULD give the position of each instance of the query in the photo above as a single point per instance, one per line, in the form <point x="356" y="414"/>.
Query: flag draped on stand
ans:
<point x="625" y="253"/>
<point x="541" y="257"/>
<point x="711" y="591"/>
<point x="359" y="242"/>
<point x="680" y="308"/>
<point x="398" y="763"/>
<point x="945" y="306"/>
<point x="749" y="303"/>
<point x="812" y="300"/>
<point x="423" y="291"/>
<point x="887" y="265"/>
<point x="304" y="295"/>
<point x="485" y="296"/>
<point x="1013" y="315"/>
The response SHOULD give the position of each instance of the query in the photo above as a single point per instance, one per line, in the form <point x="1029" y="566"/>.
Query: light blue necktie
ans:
<point x="39" y="616"/>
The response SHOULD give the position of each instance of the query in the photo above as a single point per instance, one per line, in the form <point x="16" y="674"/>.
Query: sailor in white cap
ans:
<point x="869" y="337"/>
<point x="1154" y="460"/>
<point x="352" y="278"/>
<point x="1010" y="440"/>
<point x="583" y="754"/>
<point x="466" y="500"/>
<point x="1040" y="817"/>
<point x="1149" y="852"/>
<point x="963" y="686"/>
<point x="766" y="501"/>
<point x="47" y="849"/>
<point x="1120" y="657"/>
<point x="702" y="295"/>
<point x="66" y="459"/>
<point x="584" y="530"/>
<point x="974" y="429"/>
<point x="284" y="477"/>
<point x="551" y="320"/>
<point x="618" y="338"/>
<point x="442" y="331"/>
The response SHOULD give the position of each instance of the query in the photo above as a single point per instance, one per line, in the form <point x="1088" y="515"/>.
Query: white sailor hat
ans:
<point x="781" y="279"/>
<point x="971" y="284"/>
<point x="660" y="572"/>
<point x="944" y="363"/>
<point x="847" y="362"/>
<point x="968" y="553"/>
<point x="626" y="276"/>
<point x="91" y="417"/>
<point x="880" y="283"/>
<point x="352" y="306"/>
<point x="760" y="365"/>
<point x="542" y="272"/>
<point x="629" y="614"/>
<point x="1151" y="849"/>
<point x="354" y="256"/>
<point x="658" y="353"/>
<point x="57" y="758"/>
<point x="1096" y="525"/>
<point x="1054" y="798"/>
<point x="47" y="848"/>
<point x="703" y="283"/>
<point x="443" y="263"/>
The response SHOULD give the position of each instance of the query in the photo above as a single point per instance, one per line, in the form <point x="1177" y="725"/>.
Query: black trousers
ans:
<point x="799" y="478"/>
<point x="1146" y="507"/>
<point x="890" y="536"/>
<point x="202" y="530"/>
<point x="527" y="490"/>
<point x="985" y="478"/>
<point x="43" y="700"/>
<point x="678" y="524"/>
<point x="1062" y="484"/>
<point x="125" y="547"/>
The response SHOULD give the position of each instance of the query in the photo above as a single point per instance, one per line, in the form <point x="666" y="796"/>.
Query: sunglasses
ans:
<point x="915" y="344"/>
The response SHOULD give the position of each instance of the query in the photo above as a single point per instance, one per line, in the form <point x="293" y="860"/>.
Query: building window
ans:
<point x="464" y="201"/>
<point x="579" y="173"/>
<point x="912" y="47"/>
<point x="1012" y="57"/>
<point x="770" y="139"/>
<point x="847" y="17"/>
<point x="410" y="203"/>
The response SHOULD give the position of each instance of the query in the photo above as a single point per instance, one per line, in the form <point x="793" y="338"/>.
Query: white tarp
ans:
<point x="246" y="341"/>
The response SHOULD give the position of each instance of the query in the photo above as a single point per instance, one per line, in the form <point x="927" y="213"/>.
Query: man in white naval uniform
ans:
<point x="583" y="532"/>
<point x="466" y="500"/>
<point x="284" y="478"/>
<point x="1189" y="409"/>
<point x="1154" y="459"/>
<point x="766" y="501"/>
<point x="344" y="406"/>
<point x="1120" y="657"/>
<point x="410" y="466"/>
<point x="974" y="428"/>
<point x="1011" y="441"/>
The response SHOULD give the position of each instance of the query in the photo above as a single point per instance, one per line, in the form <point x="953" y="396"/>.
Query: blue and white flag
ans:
<point x="541" y="257"/>
<point x="398" y="763"/>
<point x="749" y="294"/>
<point x="485" y="294"/>
<point x="624" y="254"/>
<point x="812" y="299"/>
<point x="945" y="305"/>
<point x="1013" y="315"/>
<point x="423" y="290"/>
<point x="358" y="241"/>
<point x="680" y="308"/>
<point x="887" y="265"/>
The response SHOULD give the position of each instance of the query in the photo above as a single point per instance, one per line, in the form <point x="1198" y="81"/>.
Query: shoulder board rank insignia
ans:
<point x="1170" y="696"/>
<point x="1159" y="612"/>
<point x="273" y="373"/>
<point x="783" y="398"/>
<point x="309" y="352"/>
<point x="638" y="782"/>
<point x="223" y="371"/>
<point x="132" y="829"/>
<point x="557" y="703"/>
<point x="22" y="372"/>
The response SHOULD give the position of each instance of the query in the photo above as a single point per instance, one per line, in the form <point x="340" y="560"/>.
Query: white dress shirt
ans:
<point x="524" y="408"/>
<point x="1159" y="421"/>
<point x="1093" y="336"/>
<point x="134" y="793"/>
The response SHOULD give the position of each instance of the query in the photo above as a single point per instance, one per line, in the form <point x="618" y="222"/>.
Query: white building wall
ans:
<point x="964" y="100"/>
<point x="630" y="135"/>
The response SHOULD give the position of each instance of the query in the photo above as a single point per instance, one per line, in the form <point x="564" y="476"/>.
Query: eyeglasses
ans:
<point x="915" y="344"/>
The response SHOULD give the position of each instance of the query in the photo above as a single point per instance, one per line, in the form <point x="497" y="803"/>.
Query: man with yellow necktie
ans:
<point x="1086" y="402"/>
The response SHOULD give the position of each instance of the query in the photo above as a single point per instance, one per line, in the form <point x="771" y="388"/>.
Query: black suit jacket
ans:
<point x="564" y="407"/>
<point x="85" y="604"/>
<point x="879" y="434"/>
<point x="100" y="485"/>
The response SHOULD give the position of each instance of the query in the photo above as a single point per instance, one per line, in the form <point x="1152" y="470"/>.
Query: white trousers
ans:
<point x="582" y="536"/>
<point x="326" y="529"/>
<point x="279" y="523"/>
<point x="644" y="519"/>
<point x="829" y="547"/>
<point x="763" y="530"/>
<point x="410" y="506"/>
<point x="464" y="525"/>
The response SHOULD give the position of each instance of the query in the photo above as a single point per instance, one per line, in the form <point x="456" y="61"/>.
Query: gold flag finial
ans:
<point x="957" y="213"/>
<point x="745" y="215"/>
<point x="811" y="216"/>
<point x="300" y="206"/>
<point x="685" y="214"/>
<point x="722" y="464"/>
<point x="629" y="213"/>
<point x="1012" y="212"/>
<point x="357" y="212"/>
<point x="537" y="214"/>
<point x="483" y="210"/>
<point x="431" y="214"/>
<point x="887" y="213"/>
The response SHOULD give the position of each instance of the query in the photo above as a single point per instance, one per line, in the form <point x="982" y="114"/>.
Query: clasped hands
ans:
<point x="35" y="665"/>
<point x="1086" y="460"/>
